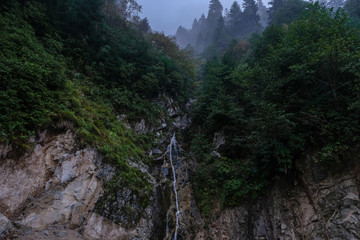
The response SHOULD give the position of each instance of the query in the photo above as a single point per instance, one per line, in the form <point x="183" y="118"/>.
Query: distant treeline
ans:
<point x="210" y="35"/>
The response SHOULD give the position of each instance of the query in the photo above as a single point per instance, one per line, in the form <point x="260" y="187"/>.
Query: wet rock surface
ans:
<point x="327" y="209"/>
<point x="50" y="192"/>
<point x="5" y="226"/>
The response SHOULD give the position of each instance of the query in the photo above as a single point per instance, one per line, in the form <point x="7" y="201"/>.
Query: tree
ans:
<point x="352" y="7"/>
<point x="275" y="5"/>
<point x="288" y="12"/>
<point x="250" y="19"/>
<point x="202" y="19"/>
<point x="126" y="9"/>
<point x="214" y="13"/>
<point x="263" y="13"/>
<point x="195" y="24"/>
<point x="144" y="26"/>
<point x="234" y="13"/>
<point x="296" y="91"/>
<point x="182" y="36"/>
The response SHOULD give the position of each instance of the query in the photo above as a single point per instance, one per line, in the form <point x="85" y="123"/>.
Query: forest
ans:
<point x="277" y="83"/>
<point x="278" y="96"/>
<point x="80" y="65"/>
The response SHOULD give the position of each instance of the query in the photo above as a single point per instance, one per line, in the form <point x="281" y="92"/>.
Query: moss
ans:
<point x="125" y="197"/>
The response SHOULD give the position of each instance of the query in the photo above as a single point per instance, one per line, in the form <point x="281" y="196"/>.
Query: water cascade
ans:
<point x="171" y="147"/>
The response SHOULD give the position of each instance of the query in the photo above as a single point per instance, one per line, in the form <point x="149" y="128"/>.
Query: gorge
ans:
<point x="109" y="130"/>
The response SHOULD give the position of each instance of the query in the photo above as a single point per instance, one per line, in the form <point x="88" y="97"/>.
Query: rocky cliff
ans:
<point x="55" y="190"/>
<point x="319" y="206"/>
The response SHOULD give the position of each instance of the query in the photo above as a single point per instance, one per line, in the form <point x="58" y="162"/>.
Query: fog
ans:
<point x="168" y="15"/>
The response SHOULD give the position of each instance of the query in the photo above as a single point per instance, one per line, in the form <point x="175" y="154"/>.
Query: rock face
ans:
<point x="52" y="190"/>
<point x="57" y="175"/>
<point x="5" y="226"/>
<point x="320" y="207"/>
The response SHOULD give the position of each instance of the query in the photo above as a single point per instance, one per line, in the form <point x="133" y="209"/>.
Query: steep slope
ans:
<point x="268" y="150"/>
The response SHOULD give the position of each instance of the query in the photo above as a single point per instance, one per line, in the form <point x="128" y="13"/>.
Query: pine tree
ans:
<point x="202" y="19"/>
<point x="275" y="5"/>
<point x="250" y="19"/>
<point x="214" y="13"/>
<point x="144" y="26"/>
<point x="352" y="7"/>
<point x="234" y="14"/>
<point x="218" y="30"/>
<point x="182" y="36"/>
<point x="195" y="24"/>
<point x="263" y="13"/>
<point x="234" y="19"/>
<point x="290" y="11"/>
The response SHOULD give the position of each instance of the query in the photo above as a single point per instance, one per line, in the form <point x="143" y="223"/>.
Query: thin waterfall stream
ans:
<point x="171" y="147"/>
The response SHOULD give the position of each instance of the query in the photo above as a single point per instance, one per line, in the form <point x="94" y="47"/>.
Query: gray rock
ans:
<point x="5" y="226"/>
<point x="140" y="128"/>
<point x="61" y="234"/>
<point x="157" y="151"/>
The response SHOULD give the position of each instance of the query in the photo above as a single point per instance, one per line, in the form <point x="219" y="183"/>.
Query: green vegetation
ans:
<point x="82" y="64"/>
<point x="79" y="64"/>
<point x="352" y="7"/>
<point x="32" y="76"/>
<point x="287" y="12"/>
<point x="210" y="36"/>
<point x="292" y="91"/>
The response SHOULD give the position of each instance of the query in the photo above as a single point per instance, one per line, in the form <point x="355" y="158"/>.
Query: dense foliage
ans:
<point x="211" y="35"/>
<point x="292" y="91"/>
<point x="352" y="7"/>
<point x="83" y="64"/>
<point x="79" y="65"/>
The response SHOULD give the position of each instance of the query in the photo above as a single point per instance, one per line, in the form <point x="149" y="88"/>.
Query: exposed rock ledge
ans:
<point x="321" y="206"/>
<point x="50" y="192"/>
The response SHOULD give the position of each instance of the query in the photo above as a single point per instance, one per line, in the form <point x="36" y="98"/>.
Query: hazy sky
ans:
<point x="167" y="15"/>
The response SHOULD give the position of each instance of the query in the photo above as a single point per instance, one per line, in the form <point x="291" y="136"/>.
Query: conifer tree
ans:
<point x="250" y="19"/>
<point x="214" y="13"/>
<point x="275" y="5"/>
<point x="235" y="14"/>
<point x="234" y="19"/>
<point x="263" y="13"/>
<point x="195" y="24"/>
<point x="353" y="8"/>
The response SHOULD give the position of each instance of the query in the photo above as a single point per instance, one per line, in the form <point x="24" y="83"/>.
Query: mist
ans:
<point x="167" y="15"/>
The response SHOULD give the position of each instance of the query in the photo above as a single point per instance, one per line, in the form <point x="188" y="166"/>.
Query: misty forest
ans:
<point x="244" y="126"/>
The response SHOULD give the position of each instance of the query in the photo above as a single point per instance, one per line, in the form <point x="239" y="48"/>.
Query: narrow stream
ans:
<point x="171" y="147"/>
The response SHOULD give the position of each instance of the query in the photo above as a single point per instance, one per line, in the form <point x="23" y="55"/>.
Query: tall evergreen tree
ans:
<point x="235" y="13"/>
<point x="182" y="36"/>
<point x="195" y="24"/>
<point x="219" y="30"/>
<point x="352" y="7"/>
<point x="263" y="13"/>
<point x="290" y="11"/>
<point x="234" y="19"/>
<point x="275" y="5"/>
<point x="250" y="19"/>
<point x="202" y="19"/>
<point x="214" y="13"/>
<point x="144" y="26"/>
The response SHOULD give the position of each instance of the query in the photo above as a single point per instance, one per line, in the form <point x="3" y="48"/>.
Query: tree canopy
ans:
<point x="289" y="92"/>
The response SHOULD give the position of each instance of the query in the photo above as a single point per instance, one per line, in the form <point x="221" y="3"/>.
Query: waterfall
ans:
<point x="171" y="147"/>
